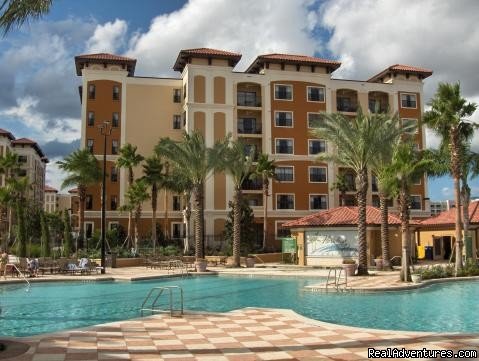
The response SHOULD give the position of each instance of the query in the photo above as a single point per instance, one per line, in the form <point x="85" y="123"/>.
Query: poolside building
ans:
<point x="31" y="163"/>
<point x="271" y="106"/>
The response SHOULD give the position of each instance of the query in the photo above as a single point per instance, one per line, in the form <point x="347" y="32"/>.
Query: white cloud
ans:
<point x="249" y="27"/>
<point x="441" y="35"/>
<point x="55" y="176"/>
<point x="107" y="38"/>
<point x="446" y="192"/>
<point x="43" y="128"/>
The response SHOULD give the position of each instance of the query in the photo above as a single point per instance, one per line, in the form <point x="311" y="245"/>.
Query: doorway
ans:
<point x="447" y="245"/>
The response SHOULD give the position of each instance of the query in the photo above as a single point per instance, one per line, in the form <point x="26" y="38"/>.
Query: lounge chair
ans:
<point x="81" y="268"/>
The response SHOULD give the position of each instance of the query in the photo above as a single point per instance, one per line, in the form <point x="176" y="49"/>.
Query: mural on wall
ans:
<point x="337" y="244"/>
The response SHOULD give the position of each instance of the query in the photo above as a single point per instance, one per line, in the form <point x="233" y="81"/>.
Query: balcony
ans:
<point x="248" y="99"/>
<point x="378" y="102"/>
<point x="254" y="200"/>
<point x="347" y="100"/>
<point x="249" y="126"/>
<point x="252" y="185"/>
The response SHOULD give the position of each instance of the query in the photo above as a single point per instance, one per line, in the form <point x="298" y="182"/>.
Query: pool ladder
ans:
<point x="20" y="273"/>
<point x="155" y="294"/>
<point x="334" y="279"/>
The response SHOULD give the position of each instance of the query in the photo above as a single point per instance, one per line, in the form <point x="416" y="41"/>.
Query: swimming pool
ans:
<point x="53" y="306"/>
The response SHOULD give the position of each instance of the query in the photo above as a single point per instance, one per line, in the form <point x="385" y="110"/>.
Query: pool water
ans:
<point x="48" y="307"/>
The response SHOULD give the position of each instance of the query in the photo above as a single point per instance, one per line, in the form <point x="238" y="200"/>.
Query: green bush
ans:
<point x="34" y="250"/>
<point x="471" y="268"/>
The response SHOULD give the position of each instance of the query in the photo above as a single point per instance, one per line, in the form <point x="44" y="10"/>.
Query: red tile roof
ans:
<point x="50" y="189"/>
<point x="7" y="134"/>
<point x="341" y="216"/>
<point x="34" y="145"/>
<point x="105" y="58"/>
<point x="448" y="218"/>
<point x="73" y="190"/>
<point x="291" y="59"/>
<point x="399" y="68"/>
<point x="185" y="54"/>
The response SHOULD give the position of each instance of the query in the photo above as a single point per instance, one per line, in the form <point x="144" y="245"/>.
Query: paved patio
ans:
<point x="247" y="334"/>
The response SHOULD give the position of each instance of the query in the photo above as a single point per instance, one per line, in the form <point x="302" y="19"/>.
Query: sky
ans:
<point x="39" y="97"/>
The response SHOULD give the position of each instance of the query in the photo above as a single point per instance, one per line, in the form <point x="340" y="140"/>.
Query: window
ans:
<point x="415" y="202"/>
<point x="317" y="175"/>
<point x="247" y="99"/>
<point x="177" y="230"/>
<point x="417" y="181"/>
<point x="318" y="201"/>
<point x="315" y="94"/>
<point x="22" y="159"/>
<point x="91" y="91"/>
<point x="176" y="95"/>
<point x="282" y="231"/>
<point x="410" y="125"/>
<point x="284" y="146"/>
<point x="114" y="174"/>
<point x="89" y="201"/>
<point x="285" y="174"/>
<point x="89" y="145"/>
<point x="114" y="146"/>
<point x="374" y="183"/>
<point x="91" y="119"/>
<point x="113" y="203"/>
<point x="376" y="202"/>
<point x="177" y="121"/>
<point x="250" y="150"/>
<point x="283" y="119"/>
<point x="248" y="126"/>
<point x="176" y="203"/>
<point x="283" y="92"/>
<point x="316" y="146"/>
<point x="408" y="100"/>
<point x="89" y="229"/>
<point x="285" y="201"/>
<point x="22" y="172"/>
<point x="315" y="120"/>
<point x="184" y="91"/>
<point x="115" y="119"/>
<point x="116" y="92"/>
<point x="113" y="225"/>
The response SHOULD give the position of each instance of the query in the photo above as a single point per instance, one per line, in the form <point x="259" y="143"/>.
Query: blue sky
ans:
<point x="38" y="68"/>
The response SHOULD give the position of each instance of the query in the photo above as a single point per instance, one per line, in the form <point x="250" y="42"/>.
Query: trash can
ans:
<point x="113" y="259"/>
<point x="428" y="250"/>
<point x="421" y="252"/>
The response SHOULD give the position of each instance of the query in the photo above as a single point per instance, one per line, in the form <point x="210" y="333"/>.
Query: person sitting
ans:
<point x="33" y="266"/>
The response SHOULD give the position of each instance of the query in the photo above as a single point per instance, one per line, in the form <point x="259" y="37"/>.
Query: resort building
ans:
<point x="272" y="107"/>
<point x="32" y="163"/>
<point x="51" y="202"/>
<point x="439" y="207"/>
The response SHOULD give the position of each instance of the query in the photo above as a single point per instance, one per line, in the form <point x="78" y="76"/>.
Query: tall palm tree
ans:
<point x="447" y="118"/>
<point x="357" y="141"/>
<point x="264" y="170"/>
<point x="14" y="13"/>
<point x="135" y="196"/>
<point x="239" y="165"/>
<point x="407" y="165"/>
<point x="342" y="186"/>
<point x="18" y="187"/>
<point x="129" y="159"/>
<point x="83" y="171"/>
<point x="197" y="162"/>
<point x="152" y="170"/>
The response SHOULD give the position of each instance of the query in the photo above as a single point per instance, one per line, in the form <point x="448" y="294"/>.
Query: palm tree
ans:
<point x="446" y="118"/>
<point x="197" y="162"/>
<point x="136" y="195"/>
<point x="407" y="165"/>
<point x="83" y="171"/>
<point x="45" y="235"/>
<point x="264" y="170"/>
<point x="239" y="165"/>
<point x="17" y="12"/>
<point x="357" y="141"/>
<point x="128" y="159"/>
<point x="152" y="170"/>
<point x="8" y="165"/>
<point x="18" y="187"/>
<point x="342" y="186"/>
<point x="67" y="234"/>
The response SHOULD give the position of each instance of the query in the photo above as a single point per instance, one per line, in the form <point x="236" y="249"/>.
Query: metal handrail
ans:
<point x="19" y="272"/>
<point x="154" y="303"/>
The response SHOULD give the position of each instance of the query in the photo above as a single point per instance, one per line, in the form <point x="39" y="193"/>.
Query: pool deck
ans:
<point x="246" y="334"/>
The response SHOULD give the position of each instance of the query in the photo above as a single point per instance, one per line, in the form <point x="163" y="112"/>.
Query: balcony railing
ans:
<point x="248" y="99"/>
<point x="252" y="185"/>
<point x="249" y="130"/>
<point x="347" y="107"/>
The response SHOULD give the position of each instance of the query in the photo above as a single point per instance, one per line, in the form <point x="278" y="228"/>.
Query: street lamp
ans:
<point x="105" y="130"/>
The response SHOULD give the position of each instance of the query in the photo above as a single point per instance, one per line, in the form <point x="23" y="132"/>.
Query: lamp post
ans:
<point x="105" y="130"/>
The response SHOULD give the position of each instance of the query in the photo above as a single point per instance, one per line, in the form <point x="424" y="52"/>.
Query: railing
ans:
<point x="347" y="108"/>
<point x="153" y="307"/>
<point x="249" y="130"/>
<point x="252" y="185"/>
<point x="336" y="280"/>
<point x="242" y="100"/>
<point x="20" y="273"/>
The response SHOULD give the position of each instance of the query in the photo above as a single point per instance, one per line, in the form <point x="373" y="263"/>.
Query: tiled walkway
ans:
<point x="248" y="334"/>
